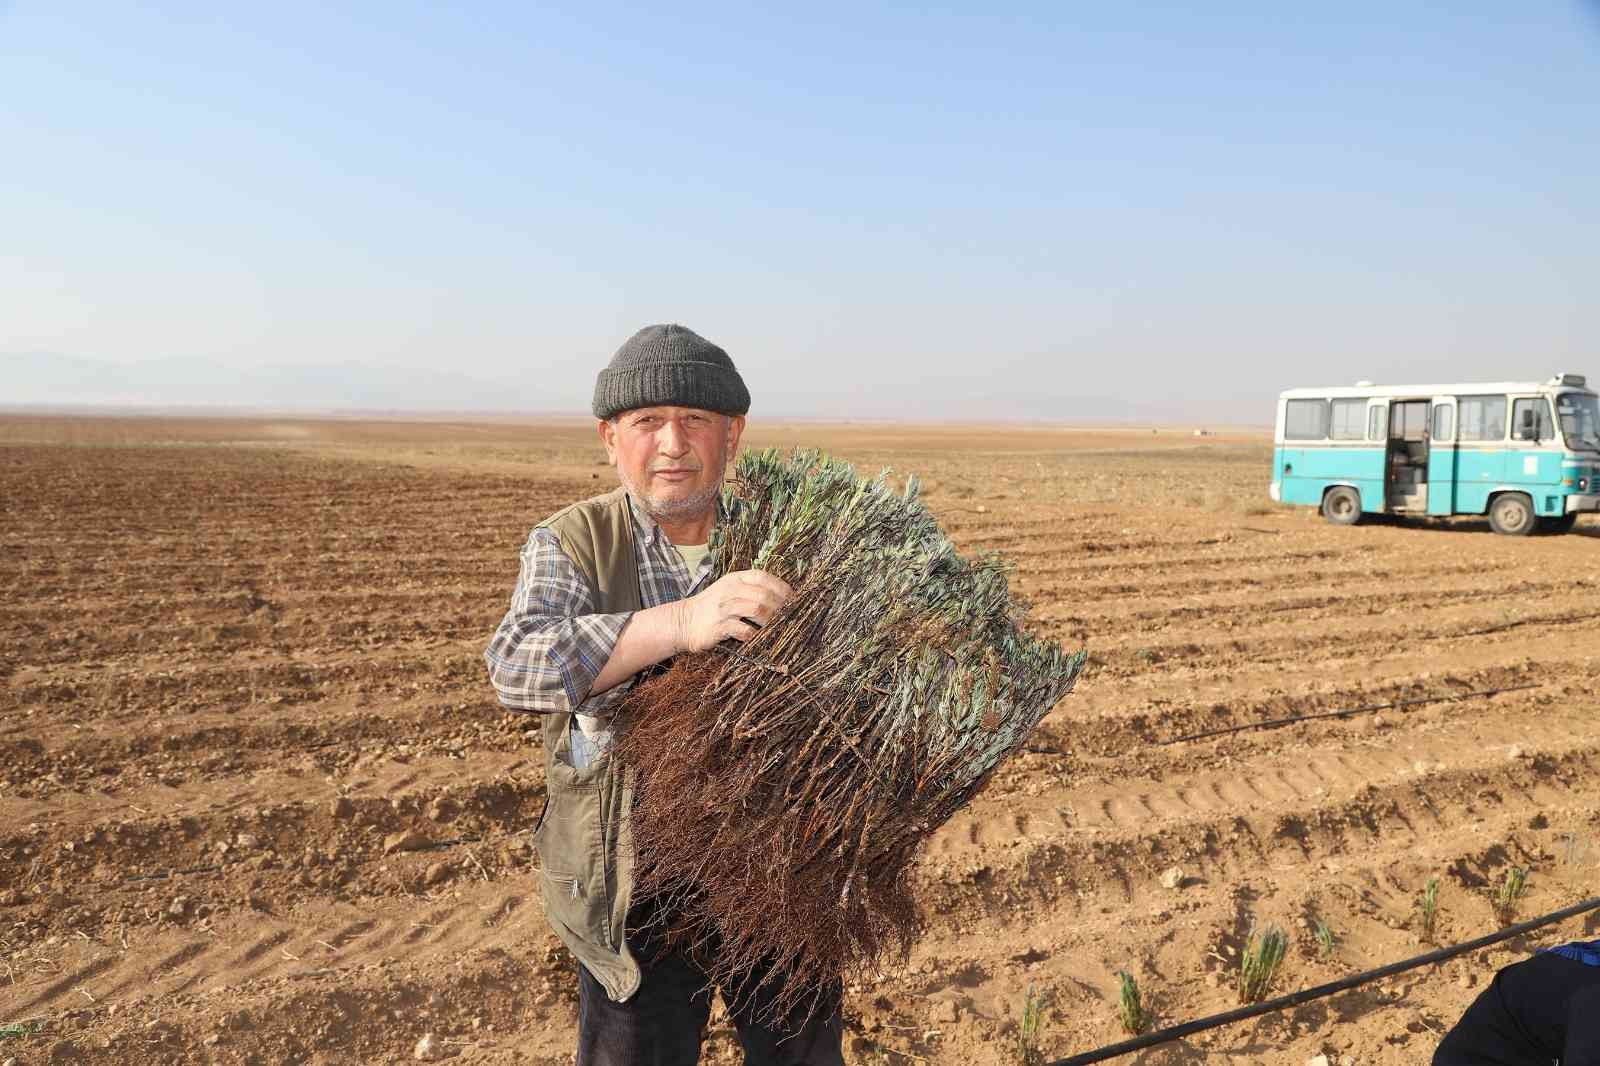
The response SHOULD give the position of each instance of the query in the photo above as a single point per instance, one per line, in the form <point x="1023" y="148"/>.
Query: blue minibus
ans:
<point x="1527" y="454"/>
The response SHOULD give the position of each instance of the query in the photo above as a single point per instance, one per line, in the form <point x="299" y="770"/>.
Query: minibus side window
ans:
<point x="1375" y="421"/>
<point x="1306" y="420"/>
<point x="1347" y="415"/>
<point x="1483" y="417"/>
<point x="1531" y="419"/>
<point x="1443" y="422"/>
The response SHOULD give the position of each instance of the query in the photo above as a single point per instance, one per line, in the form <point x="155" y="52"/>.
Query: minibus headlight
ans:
<point x="1583" y="484"/>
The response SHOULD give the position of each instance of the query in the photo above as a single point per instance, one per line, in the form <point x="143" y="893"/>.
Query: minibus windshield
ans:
<point x="1580" y="419"/>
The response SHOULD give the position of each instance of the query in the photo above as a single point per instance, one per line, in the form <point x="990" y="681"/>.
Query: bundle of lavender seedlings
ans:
<point x="783" y="786"/>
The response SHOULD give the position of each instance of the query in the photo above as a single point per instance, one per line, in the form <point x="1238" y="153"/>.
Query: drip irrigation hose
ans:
<point x="1306" y="995"/>
<point x="1365" y="709"/>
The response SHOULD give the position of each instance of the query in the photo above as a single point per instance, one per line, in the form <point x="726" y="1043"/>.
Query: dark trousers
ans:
<point x="663" y="1023"/>
<point x="1543" y="1009"/>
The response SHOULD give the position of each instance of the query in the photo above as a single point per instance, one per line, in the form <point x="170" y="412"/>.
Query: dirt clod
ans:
<point x="405" y="840"/>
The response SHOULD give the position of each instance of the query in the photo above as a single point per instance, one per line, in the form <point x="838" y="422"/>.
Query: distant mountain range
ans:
<point x="47" y="379"/>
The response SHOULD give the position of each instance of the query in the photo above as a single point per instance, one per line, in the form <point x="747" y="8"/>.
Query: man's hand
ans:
<point x="728" y="608"/>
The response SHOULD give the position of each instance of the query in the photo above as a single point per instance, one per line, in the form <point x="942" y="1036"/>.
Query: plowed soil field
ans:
<point x="258" y="803"/>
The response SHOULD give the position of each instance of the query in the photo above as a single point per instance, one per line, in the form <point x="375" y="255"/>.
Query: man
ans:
<point x="1541" y="1010"/>
<point x="611" y="587"/>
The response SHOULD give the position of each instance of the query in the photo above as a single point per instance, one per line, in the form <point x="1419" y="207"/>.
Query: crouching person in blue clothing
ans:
<point x="1542" y="1010"/>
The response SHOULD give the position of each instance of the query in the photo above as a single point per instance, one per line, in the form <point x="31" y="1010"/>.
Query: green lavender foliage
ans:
<point x="1262" y="956"/>
<point x="1510" y="892"/>
<point x="906" y="617"/>
<point x="1030" y="1029"/>
<point x="1429" y="906"/>
<point x="1327" y="940"/>
<point x="1130" y="1006"/>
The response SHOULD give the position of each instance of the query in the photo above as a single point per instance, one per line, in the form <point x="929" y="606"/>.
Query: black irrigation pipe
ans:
<point x="1306" y="995"/>
<point x="1347" y="712"/>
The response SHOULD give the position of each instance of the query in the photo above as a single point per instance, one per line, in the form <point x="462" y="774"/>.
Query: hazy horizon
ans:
<point x="1029" y="214"/>
<point x="340" y="391"/>
<point x="376" y="414"/>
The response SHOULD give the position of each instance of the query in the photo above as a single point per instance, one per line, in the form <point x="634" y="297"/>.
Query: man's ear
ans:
<point x="735" y="431"/>
<point x="608" y="437"/>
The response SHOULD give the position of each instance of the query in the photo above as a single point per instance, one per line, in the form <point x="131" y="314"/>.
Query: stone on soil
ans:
<point x="405" y="840"/>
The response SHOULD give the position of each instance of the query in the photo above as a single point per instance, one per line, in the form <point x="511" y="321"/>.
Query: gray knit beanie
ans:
<point x="670" y="366"/>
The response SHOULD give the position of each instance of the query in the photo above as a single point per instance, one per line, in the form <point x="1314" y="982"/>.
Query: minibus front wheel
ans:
<point x="1512" y="513"/>
<point x="1341" y="505"/>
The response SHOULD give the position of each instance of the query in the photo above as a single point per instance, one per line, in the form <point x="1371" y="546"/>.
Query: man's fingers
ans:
<point x="761" y="605"/>
<point x="767" y="582"/>
<point x="741" y="603"/>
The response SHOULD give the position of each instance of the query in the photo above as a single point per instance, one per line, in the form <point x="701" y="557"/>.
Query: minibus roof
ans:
<point x="1480" y="388"/>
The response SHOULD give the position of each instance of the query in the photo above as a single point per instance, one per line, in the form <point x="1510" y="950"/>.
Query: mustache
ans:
<point x="692" y="466"/>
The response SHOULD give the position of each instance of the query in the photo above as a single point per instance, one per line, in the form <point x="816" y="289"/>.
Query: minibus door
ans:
<point x="1407" y="465"/>
<point x="1442" y="457"/>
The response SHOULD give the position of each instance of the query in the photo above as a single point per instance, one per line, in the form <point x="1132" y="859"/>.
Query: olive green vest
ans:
<point x="584" y="841"/>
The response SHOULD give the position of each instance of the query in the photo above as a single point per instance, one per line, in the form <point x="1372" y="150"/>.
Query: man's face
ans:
<point x="672" y="459"/>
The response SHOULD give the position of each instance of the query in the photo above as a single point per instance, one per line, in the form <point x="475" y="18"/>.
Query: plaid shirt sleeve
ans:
<point x="551" y="644"/>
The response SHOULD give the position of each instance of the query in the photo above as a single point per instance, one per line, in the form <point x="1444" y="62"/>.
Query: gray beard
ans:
<point x="688" y="507"/>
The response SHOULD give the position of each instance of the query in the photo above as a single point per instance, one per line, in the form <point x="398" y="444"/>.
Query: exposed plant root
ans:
<point x="783" y="787"/>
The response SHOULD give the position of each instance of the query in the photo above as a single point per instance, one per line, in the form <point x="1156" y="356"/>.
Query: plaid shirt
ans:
<point x="552" y="643"/>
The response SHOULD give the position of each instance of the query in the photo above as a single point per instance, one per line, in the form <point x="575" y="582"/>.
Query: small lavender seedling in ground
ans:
<point x="1327" y="942"/>
<point x="1510" y="891"/>
<point x="1262" y="956"/>
<point x="1130" y="1009"/>
<point x="1429" y="905"/>
<point x="1029" y="1053"/>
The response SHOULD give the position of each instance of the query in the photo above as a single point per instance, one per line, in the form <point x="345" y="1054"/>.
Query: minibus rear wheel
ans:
<point x="1512" y="513"/>
<point x="1341" y="505"/>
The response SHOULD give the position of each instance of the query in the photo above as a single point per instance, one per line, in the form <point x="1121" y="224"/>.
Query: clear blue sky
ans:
<point x="877" y="209"/>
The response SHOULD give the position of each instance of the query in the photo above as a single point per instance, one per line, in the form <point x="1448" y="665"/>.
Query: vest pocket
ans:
<point x="571" y="853"/>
